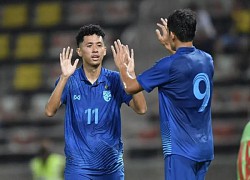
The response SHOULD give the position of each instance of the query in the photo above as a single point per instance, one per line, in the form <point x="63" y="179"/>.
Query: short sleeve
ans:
<point x="155" y="76"/>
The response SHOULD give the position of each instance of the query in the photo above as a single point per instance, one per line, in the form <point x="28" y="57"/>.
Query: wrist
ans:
<point x="64" y="78"/>
<point x="131" y="75"/>
<point x="122" y="68"/>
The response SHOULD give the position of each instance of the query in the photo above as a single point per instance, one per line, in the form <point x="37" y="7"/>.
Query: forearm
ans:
<point x="131" y="86"/>
<point x="130" y="83"/>
<point x="54" y="101"/>
<point x="139" y="103"/>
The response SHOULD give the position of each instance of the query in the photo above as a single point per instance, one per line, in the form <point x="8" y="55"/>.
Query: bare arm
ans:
<point x="67" y="69"/>
<point x="138" y="103"/>
<point x="164" y="37"/>
<point x="125" y="63"/>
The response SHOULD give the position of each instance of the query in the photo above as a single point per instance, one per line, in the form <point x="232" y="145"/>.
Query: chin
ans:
<point x="96" y="64"/>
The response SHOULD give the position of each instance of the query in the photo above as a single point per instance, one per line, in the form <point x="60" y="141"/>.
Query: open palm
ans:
<point x="130" y="61"/>
<point x="65" y="61"/>
<point x="164" y="37"/>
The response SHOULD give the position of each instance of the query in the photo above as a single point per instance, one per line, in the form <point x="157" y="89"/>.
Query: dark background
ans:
<point x="32" y="33"/>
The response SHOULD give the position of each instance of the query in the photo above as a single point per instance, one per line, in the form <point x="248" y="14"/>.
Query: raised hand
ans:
<point x="65" y="61"/>
<point x="119" y="54"/>
<point x="130" y="62"/>
<point x="123" y="58"/>
<point x="164" y="37"/>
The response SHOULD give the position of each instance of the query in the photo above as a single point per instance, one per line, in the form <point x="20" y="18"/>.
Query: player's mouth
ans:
<point x="95" y="57"/>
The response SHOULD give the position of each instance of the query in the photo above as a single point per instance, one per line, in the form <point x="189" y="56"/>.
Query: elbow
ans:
<point x="142" y="110"/>
<point x="49" y="113"/>
<point x="130" y="91"/>
<point x="132" y="88"/>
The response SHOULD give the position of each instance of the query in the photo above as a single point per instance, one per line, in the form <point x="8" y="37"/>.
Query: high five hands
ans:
<point x="123" y="57"/>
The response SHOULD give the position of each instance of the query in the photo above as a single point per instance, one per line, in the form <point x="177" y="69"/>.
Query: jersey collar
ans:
<point x="100" y="79"/>
<point x="185" y="49"/>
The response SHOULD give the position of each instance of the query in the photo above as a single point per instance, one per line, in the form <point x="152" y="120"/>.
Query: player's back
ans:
<point x="187" y="100"/>
<point x="191" y="78"/>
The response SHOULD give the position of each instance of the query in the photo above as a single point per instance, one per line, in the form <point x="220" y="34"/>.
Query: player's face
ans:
<point x="92" y="50"/>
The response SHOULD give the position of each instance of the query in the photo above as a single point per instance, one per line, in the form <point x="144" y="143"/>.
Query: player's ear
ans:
<point x="105" y="51"/>
<point x="79" y="52"/>
<point x="172" y="35"/>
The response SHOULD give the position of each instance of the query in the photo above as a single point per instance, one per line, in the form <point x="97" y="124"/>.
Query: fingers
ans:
<point x="164" y="22"/>
<point x="127" y="50"/>
<point x="131" y="59"/>
<point x="75" y="63"/>
<point x="158" y="34"/>
<point x="160" y="25"/>
<point x="66" y="53"/>
<point x="132" y="54"/>
<point x="127" y="54"/>
<point x="164" y="25"/>
<point x="117" y="47"/>
<point x="70" y="53"/>
<point x="61" y="57"/>
<point x="119" y="43"/>
<point x="113" y="50"/>
<point x="163" y="34"/>
<point x="63" y="53"/>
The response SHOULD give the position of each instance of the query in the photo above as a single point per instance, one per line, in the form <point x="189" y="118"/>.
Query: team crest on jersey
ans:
<point x="106" y="95"/>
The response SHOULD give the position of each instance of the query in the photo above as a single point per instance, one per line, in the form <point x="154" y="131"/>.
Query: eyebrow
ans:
<point x="99" y="42"/>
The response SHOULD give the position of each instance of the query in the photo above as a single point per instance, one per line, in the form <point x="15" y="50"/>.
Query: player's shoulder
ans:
<point x="77" y="71"/>
<point x="110" y="73"/>
<point x="204" y="53"/>
<point x="164" y="62"/>
<point x="78" y="74"/>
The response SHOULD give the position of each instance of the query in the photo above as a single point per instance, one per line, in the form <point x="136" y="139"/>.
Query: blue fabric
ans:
<point x="181" y="168"/>
<point x="118" y="175"/>
<point x="93" y="143"/>
<point x="185" y="84"/>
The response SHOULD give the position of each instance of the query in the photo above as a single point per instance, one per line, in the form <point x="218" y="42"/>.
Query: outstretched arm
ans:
<point x="67" y="69"/>
<point x="125" y="63"/>
<point x="164" y="37"/>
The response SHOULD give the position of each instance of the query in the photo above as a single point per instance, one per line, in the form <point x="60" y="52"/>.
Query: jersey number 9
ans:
<point x="205" y="96"/>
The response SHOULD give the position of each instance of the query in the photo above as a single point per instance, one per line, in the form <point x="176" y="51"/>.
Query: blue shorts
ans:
<point x="182" y="168"/>
<point x="118" y="175"/>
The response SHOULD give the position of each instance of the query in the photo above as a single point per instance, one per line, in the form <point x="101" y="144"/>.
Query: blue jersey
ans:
<point x="185" y="84"/>
<point x="93" y="143"/>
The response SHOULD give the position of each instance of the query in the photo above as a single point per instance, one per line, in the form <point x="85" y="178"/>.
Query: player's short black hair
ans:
<point x="87" y="30"/>
<point x="182" y="23"/>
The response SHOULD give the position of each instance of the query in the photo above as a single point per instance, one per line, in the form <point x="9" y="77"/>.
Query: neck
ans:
<point x="179" y="44"/>
<point x="92" y="73"/>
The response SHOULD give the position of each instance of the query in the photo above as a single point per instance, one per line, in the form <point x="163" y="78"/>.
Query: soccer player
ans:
<point x="93" y="96"/>
<point x="185" y="83"/>
<point x="243" y="159"/>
